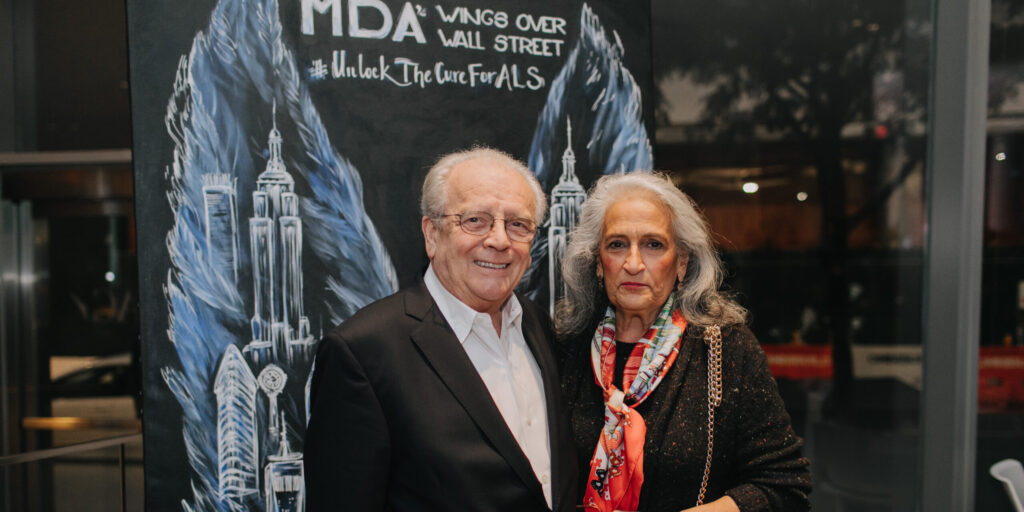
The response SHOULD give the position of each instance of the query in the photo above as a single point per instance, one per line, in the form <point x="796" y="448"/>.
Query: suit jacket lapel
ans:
<point x="445" y="354"/>
<point x="535" y="337"/>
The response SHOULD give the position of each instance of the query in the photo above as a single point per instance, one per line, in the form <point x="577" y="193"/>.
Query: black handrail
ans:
<point x="49" y="453"/>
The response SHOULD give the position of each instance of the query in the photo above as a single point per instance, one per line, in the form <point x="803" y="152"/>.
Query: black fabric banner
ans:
<point x="279" y="150"/>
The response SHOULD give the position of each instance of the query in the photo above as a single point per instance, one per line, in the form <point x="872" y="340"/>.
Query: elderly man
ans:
<point x="444" y="396"/>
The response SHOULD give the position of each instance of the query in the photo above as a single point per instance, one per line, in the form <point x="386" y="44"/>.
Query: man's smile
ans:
<point x="487" y="264"/>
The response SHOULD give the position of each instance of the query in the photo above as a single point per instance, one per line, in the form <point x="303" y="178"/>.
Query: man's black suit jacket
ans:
<point x="400" y="420"/>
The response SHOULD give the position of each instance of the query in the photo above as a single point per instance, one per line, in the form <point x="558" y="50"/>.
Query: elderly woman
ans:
<point x="672" y="401"/>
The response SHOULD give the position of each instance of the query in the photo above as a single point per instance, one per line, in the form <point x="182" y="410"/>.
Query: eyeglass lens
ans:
<point x="480" y="223"/>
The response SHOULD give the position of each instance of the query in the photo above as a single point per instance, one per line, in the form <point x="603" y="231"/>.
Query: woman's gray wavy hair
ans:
<point x="699" y="300"/>
<point x="434" y="197"/>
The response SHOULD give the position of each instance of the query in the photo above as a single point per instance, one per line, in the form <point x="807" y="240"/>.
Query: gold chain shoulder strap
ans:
<point x="713" y="339"/>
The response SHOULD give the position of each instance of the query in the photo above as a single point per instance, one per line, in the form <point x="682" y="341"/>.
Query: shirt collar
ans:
<point x="460" y="316"/>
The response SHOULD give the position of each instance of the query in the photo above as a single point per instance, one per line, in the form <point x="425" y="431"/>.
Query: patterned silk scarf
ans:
<point x="616" y="470"/>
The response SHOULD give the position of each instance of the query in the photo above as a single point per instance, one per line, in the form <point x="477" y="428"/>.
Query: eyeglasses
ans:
<point x="519" y="229"/>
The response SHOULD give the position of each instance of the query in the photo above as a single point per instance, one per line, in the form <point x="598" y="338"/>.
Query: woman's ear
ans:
<point x="683" y="260"/>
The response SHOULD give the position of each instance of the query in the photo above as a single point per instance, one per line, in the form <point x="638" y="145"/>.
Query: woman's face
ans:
<point x="639" y="261"/>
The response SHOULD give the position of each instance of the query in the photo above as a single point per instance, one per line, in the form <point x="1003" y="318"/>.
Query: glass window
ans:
<point x="69" y="308"/>
<point x="800" y="129"/>
<point x="1001" y="361"/>
<point x="69" y="331"/>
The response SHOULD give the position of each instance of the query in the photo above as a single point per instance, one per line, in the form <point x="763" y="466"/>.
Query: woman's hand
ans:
<point x="723" y="504"/>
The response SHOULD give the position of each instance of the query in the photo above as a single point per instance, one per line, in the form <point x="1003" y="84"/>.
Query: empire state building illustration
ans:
<point x="566" y="203"/>
<point x="279" y="328"/>
<point x="253" y="379"/>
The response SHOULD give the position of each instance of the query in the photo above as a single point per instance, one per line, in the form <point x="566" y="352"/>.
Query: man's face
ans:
<point x="481" y="270"/>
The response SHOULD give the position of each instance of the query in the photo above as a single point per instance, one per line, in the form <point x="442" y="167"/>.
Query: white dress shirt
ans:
<point x="507" y="368"/>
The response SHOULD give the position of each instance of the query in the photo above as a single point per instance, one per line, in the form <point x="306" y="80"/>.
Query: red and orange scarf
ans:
<point x="617" y="467"/>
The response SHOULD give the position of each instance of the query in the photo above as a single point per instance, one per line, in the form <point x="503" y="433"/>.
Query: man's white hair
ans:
<point x="434" y="197"/>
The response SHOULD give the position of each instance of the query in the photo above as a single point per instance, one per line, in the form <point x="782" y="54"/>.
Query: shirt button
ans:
<point x="544" y="478"/>
<point x="529" y="422"/>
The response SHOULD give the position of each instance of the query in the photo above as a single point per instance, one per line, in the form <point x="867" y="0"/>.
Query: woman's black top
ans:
<point x="757" y="457"/>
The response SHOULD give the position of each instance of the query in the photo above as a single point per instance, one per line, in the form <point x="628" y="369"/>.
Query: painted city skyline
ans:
<point x="254" y="457"/>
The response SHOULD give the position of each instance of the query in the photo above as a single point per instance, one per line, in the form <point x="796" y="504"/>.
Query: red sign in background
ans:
<point x="1001" y="379"/>
<point x="1000" y="372"/>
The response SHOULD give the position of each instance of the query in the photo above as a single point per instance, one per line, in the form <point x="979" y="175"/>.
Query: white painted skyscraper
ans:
<point x="280" y="329"/>
<point x="221" y="225"/>
<point x="567" y="199"/>
<point x="237" y="439"/>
